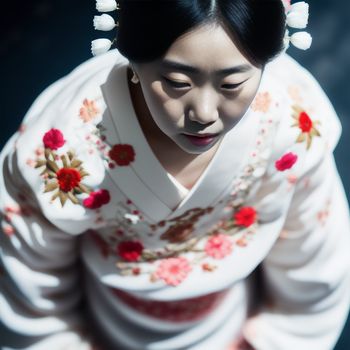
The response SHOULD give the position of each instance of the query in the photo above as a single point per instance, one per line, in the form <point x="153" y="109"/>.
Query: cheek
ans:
<point x="162" y="106"/>
<point x="234" y="109"/>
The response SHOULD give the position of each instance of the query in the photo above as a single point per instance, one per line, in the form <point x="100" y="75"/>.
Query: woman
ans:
<point x="179" y="193"/>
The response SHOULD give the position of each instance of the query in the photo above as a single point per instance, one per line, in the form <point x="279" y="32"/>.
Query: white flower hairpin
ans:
<point x="297" y="18"/>
<point x="104" y="23"/>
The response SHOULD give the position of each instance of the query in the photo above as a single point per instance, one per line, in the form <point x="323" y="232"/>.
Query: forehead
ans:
<point x="208" y="47"/>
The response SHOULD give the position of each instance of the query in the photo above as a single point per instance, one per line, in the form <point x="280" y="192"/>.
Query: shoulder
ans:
<point x="66" y="94"/>
<point x="54" y="150"/>
<point x="308" y="125"/>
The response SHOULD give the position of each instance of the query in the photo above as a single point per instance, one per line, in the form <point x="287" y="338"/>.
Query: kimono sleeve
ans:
<point x="306" y="273"/>
<point x="40" y="286"/>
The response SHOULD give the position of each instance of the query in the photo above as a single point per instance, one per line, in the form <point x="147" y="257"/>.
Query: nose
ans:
<point x="204" y="107"/>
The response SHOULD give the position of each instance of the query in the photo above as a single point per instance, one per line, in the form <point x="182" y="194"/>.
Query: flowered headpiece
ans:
<point x="297" y="17"/>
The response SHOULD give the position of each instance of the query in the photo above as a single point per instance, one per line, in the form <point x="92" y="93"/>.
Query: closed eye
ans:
<point x="231" y="86"/>
<point x="176" y="84"/>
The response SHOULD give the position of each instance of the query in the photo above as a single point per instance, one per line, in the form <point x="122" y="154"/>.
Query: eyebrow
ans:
<point x="168" y="64"/>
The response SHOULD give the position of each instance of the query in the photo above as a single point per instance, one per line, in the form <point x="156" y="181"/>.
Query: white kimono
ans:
<point x="96" y="232"/>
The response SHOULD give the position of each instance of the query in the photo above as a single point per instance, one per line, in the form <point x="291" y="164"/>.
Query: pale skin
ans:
<point x="202" y="85"/>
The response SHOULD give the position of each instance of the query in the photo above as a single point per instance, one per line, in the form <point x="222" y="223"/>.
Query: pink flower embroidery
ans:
<point x="97" y="199"/>
<point x="286" y="162"/>
<point x="292" y="179"/>
<point x="218" y="246"/>
<point x="173" y="270"/>
<point x="53" y="139"/>
<point x="88" y="111"/>
<point x="262" y="102"/>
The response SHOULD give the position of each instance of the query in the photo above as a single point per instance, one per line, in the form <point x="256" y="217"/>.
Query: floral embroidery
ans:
<point x="132" y="218"/>
<point x="286" y="162"/>
<point x="97" y="199"/>
<point x="123" y="155"/>
<point x="53" y="139"/>
<point x="64" y="174"/>
<point x="130" y="250"/>
<point x="306" y="125"/>
<point x="245" y="216"/>
<point x="88" y="111"/>
<point x="222" y="234"/>
<point x="173" y="270"/>
<point x="242" y="241"/>
<point x="208" y="267"/>
<point x="178" y="232"/>
<point x="68" y="178"/>
<point x="262" y="102"/>
<point x="237" y="227"/>
<point x="218" y="246"/>
<point x="183" y="225"/>
<point x="64" y="177"/>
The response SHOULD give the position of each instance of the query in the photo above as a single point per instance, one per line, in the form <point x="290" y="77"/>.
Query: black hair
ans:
<point x="148" y="28"/>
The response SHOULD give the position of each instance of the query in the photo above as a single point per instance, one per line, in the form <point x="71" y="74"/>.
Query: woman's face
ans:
<point x="199" y="89"/>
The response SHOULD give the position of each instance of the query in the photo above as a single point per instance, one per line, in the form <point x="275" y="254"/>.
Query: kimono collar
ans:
<point x="145" y="181"/>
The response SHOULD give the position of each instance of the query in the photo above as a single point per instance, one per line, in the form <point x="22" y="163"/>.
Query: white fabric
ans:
<point x="301" y="241"/>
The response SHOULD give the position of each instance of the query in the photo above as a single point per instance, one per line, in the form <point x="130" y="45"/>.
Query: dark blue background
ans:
<point x="44" y="40"/>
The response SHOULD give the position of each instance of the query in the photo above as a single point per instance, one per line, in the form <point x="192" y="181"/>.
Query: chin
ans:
<point x="191" y="149"/>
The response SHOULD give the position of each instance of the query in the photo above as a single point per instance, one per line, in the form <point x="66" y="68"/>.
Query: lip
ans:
<point x="201" y="139"/>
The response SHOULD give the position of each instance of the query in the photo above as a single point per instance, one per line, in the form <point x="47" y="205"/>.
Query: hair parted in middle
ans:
<point x="147" y="28"/>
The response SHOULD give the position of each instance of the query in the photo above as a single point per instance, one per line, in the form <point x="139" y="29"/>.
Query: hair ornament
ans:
<point x="297" y="17"/>
<point x="106" y="5"/>
<point x="104" y="23"/>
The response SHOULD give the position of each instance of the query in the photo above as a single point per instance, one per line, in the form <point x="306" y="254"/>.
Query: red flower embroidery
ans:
<point x="218" y="246"/>
<point x="122" y="154"/>
<point x="305" y="122"/>
<point x="286" y="162"/>
<point x="53" y="139"/>
<point x="130" y="250"/>
<point x="245" y="216"/>
<point x="306" y="125"/>
<point x="173" y="270"/>
<point x="97" y="199"/>
<point x="68" y="178"/>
